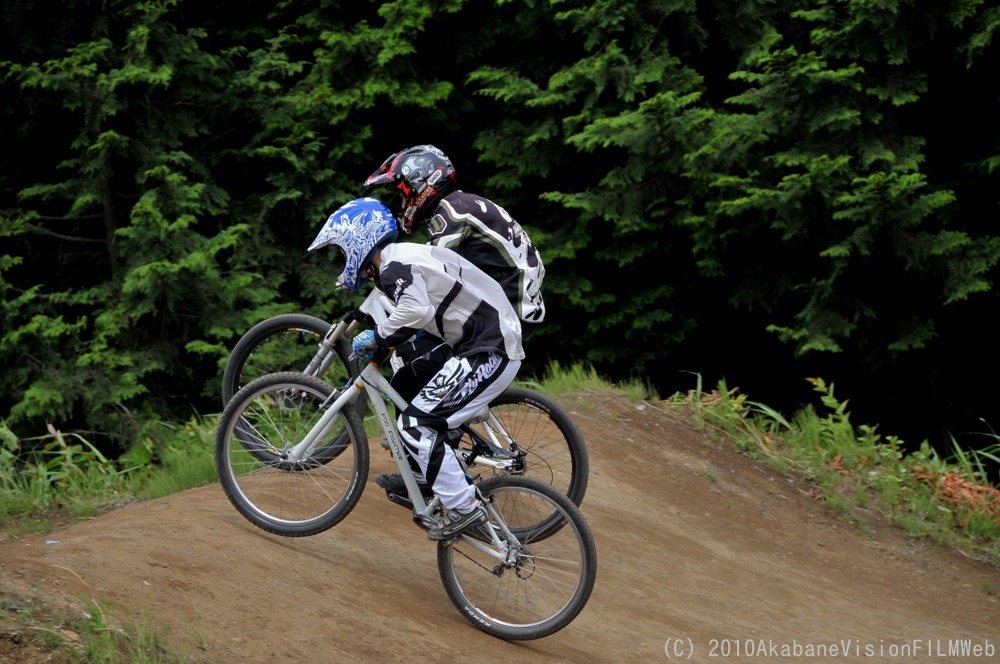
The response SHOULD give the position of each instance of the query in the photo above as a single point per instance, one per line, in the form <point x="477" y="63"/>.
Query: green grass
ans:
<point x="580" y="378"/>
<point x="709" y="474"/>
<point x="185" y="460"/>
<point x="859" y="471"/>
<point x="62" y="477"/>
<point x="89" y="637"/>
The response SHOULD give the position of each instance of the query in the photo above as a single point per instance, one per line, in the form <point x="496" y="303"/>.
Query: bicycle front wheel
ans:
<point x="283" y="343"/>
<point x="262" y="422"/>
<point x="540" y="582"/>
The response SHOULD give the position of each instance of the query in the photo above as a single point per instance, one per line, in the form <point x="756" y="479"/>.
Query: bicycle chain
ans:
<point x="474" y="562"/>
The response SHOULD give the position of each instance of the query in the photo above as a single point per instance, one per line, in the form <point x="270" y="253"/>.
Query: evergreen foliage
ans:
<point x="799" y="182"/>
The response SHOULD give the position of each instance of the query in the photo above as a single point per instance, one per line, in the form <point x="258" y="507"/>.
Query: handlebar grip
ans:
<point x="358" y="316"/>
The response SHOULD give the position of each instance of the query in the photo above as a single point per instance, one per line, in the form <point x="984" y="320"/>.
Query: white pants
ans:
<point x="459" y="389"/>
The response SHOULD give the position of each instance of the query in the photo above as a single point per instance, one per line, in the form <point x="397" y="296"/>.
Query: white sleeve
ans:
<point x="413" y="310"/>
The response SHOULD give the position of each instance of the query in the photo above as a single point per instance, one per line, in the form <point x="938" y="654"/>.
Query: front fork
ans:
<point x="324" y="357"/>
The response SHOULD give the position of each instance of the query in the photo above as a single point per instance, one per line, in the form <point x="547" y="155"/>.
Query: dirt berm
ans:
<point x="704" y="555"/>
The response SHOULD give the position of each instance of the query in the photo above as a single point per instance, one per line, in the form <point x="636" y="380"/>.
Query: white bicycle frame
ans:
<point x="379" y="391"/>
<point x="380" y="307"/>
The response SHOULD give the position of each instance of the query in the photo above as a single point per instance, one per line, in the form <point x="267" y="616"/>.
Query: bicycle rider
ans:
<point x="477" y="228"/>
<point x="435" y="291"/>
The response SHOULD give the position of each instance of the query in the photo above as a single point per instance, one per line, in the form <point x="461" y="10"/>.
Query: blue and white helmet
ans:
<point x="357" y="228"/>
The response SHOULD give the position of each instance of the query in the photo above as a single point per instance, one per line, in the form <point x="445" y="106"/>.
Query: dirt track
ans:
<point x="695" y="543"/>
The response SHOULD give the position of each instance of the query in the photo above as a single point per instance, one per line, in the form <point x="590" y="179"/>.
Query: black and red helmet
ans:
<point x="422" y="174"/>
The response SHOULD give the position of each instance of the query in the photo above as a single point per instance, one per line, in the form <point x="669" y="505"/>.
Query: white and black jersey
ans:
<point x="488" y="237"/>
<point x="436" y="290"/>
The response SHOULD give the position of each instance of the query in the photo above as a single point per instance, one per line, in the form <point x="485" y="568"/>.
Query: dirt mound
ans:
<point x="699" y="549"/>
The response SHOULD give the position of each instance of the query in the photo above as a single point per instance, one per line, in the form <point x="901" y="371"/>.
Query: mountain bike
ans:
<point x="524" y="574"/>
<point x="530" y="433"/>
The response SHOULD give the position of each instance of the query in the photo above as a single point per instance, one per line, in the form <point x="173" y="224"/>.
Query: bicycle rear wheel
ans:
<point x="545" y="579"/>
<point x="554" y="449"/>
<point x="262" y="422"/>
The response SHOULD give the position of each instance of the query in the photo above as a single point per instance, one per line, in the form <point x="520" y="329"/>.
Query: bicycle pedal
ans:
<point x="404" y="501"/>
<point x="499" y="454"/>
<point x="425" y="522"/>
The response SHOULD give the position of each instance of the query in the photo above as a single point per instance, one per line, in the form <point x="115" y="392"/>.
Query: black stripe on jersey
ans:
<point x="482" y="329"/>
<point x="400" y="336"/>
<point x="445" y="303"/>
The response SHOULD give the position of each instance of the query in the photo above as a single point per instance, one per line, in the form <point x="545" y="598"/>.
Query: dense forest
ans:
<point x="753" y="191"/>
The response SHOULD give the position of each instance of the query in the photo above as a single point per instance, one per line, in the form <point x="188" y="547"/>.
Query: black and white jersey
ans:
<point x="485" y="234"/>
<point x="436" y="290"/>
